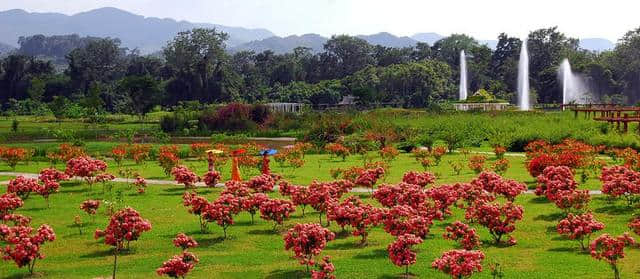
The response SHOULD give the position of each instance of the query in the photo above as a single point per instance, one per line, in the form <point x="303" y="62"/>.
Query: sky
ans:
<point x="483" y="19"/>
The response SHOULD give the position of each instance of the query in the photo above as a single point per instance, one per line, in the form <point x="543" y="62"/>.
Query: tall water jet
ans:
<point x="574" y="89"/>
<point x="463" y="76"/>
<point x="523" y="78"/>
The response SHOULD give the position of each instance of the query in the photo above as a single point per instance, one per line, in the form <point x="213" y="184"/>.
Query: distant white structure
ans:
<point x="286" y="107"/>
<point x="480" y="106"/>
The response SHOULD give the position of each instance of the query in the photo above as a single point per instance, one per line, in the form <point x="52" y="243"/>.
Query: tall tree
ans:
<point x="101" y="60"/>
<point x="349" y="54"/>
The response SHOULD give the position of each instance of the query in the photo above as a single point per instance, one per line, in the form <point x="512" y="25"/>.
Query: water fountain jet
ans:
<point x="523" y="78"/>
<point x="463" y="76"/>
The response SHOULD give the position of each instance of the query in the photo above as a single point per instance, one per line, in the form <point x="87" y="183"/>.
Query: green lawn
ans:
<point x="254" y="251"/>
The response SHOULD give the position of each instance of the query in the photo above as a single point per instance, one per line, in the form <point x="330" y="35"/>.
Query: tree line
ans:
<point x="99" y="74"/>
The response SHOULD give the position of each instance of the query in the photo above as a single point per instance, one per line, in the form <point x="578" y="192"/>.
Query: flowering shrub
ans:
<point x="635" y="225"/>
<point x="276" y="210"/>
<point x="496" y="184"/>
<point x="222" y="210"/>
<point x="139" y="152"/>
<point x="461" y="232"/>
<point x="389" y="153"/>
<point x="473" y="194"/>
<point x="49" y="187"/>
<point x="85" y="167"/>
<point x="444" y="196"/>
<point x="352" y="212"/>
<point x="426" y="163"/>
<point x="325" y="269"/>
<point x="404" y="219"/>
<point x="611" y="250"/>
<point x="300" y="195"/>
<point x="23" y="186"/>
<point x="553" y="180"/>
<point x="476" y="163"/>
<point x="456" y="166"/>
<point x="368" y="178"/>
<point x="23" y="247"/>
<point x="321" y="197"/>
<point x="9" y="202"/>
<point x="579" y="227"/>
<point x="141" y="184"/>
<point x="575" y="201"/>
<point x="199" y="149"/>
<point x="12" y="156"/>
<point x="437" y="154"/>
<point x="419" y="178"/>
<point x="262" y="183"/>
<point x="184" y="175"/>
<point x="119" y="153"/>
<point x="168" y="158"/>
<point x="51" y="174"/>
<point x="620" y="181"/>
<point x="252" y="203"/>
<point x="211" y="178"/>
<point x="459" y="263"/>
<point x="537" y="164"/>
<point x="500" y="220"/>
<point x="185" y="242"/>
<point x="104" y="178"/>
<point x="90" y="206"/>
<point x="178" y="266"/>
<point x="337" y="150"/>
<point x="501" y="166"/>
<point x="499" y="151"/>
<point x="16" y="219"/>
<point x="307" y="241"/>
<point x="196" y="205"/>
<point x="400" y="252"/>
<point x="401" y="194"/>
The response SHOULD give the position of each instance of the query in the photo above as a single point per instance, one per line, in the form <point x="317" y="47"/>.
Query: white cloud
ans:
<point x="481" y="19"/>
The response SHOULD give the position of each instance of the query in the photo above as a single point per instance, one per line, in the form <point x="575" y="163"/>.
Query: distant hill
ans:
<point x="149" y="34"/>
<point x="596" y="44"/>
<point x="283" y="45"/>
<point x="5" y="49"/>
<point x="388" y="40"/>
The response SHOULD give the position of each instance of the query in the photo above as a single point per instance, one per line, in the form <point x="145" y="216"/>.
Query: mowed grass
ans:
<point x="256" y="251"/>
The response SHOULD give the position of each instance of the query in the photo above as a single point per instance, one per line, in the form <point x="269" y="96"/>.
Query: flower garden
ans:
<point x="565" y="209"/>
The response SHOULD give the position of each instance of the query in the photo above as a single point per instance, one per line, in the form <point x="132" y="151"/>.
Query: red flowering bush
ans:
<point x="472" y="194"/>
<point x="400" y="252"/>
<point x="262" y="183"/>
<point x="300" y="195"/>
<point x="419" y="178"/>
<point x="23" y="186"/>
<point x="252" y="203"/>
<point x="499" y="151"/>
<point x="16" y="219"/>
<point x="575" y="201"/>
<point x="307" y="241"/>
<point x="444" y="196"/>
<point x="276" y="210"/>
<point x="496" y="184"/>
<point x="459" y="263"/>
<point x="437" y="154"/>
<point x="125" y="226"/>
<point x="579" y="227"/>
<point x="404" y="219"/>
<point x="178" y="266"/>
<point x="500" y="220"/>
<point x="554" y="180"/>
<point x="325" y="269"/>
<point x="465" y="235"/>
<point x="85" y="167"/>
<point x="168" y="158"/>
<point x="9" y="202"/>
<point x="185" y="242"/>
<point x="337" y="150"/>
<point x="619" y="181"/>
<point x="211" y="178"/>
<point x="51" y="174"/>
<point x="352" y="212"/>
<point x="321" y="197"/>
<point x="222" y="210"/>
<point x="476" y="163"/>
<point x="22" y="247"/>
<point x="401" y="194"/>
<point x="389" y="153"/>
<point x="90" y="206"/>
<point x="184" y="175"/>
<point x="501" y="166"/>
<point x="141" y="184"/>
<point x="139" y="152"/>
<point x="611" y="250"/>
<point x="196" y="205"/>
<point x="12" y="156"/>
<point x="199" y="149"/>
<point x="119" y="153"/>
<point x="369" y="177"/>
<point x="635" y="225"/>
<point x="49" y="187"/>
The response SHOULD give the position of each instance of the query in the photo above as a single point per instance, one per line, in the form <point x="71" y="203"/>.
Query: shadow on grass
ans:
<point x="100" y="254"/>
<point x="343" y="234"/>
<point x="563" y="249"/>
<point x="549" y="217"/>
<point x="492" y="243"/>
<point x="347" y="245"/>
<point x="263" y="232"/>
<point x="397" y="276"/>
<point x="27" y="275"/>
<point x="615" y="209"/>
<point x="375" y="254"/>
<point x="212" y="241"/>
<point x="539" y="200"/>
<point x="287" y="274"/>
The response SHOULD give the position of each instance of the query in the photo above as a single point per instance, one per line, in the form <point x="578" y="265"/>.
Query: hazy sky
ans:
<point x="483" y="19"/>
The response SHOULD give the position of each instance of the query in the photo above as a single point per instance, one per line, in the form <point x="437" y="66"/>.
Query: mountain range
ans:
<point x="150" y="34"/>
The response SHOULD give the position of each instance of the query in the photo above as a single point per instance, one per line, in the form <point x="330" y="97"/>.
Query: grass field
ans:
<point x="255" y="251"/>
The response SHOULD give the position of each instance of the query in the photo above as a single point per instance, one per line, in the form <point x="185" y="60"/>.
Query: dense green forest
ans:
<point x="74" y="75"/>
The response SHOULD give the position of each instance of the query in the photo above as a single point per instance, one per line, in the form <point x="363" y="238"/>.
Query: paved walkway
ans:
<point x="201" y="184"/>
